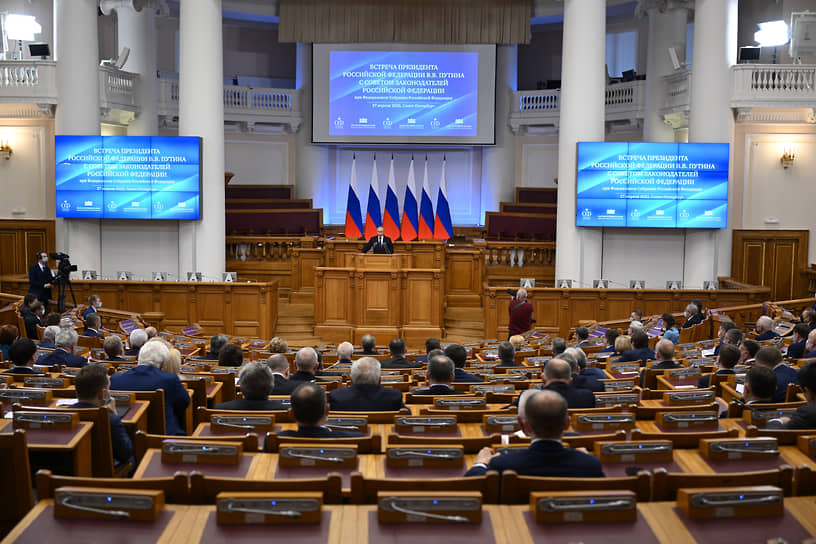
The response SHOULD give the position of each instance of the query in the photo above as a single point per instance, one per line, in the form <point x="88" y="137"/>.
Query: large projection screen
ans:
<point x="403" y="94"/>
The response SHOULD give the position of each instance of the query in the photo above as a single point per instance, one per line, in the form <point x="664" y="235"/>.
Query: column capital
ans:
<point x="645" y="6"/>
<point x="160" y="6"/>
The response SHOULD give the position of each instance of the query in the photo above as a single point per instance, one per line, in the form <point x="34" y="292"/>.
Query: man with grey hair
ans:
<point x="63" y="355"/>
<point x="138" y="337"/>
<point x="440" y="375"/>
<point x="664" y="351"/>
<point x="521" y="314"/>
<point x="256" y="381"/>
<point x="216" y="343"/>
<point x="559" y="346"/>
<point x="365" y="393"/>
<point x="149" y="375"/>
<point x="764" y="329"/>
<point x="49" y="337"/>
<point x="279" y="365"/>
<point x="113" y="348"/>
<point x="92" y="326"/>
<point x="344" y="353"/>
<point x="692" y="315"/>
<point x="579" y="379"/>
<point x="306" y="366"/>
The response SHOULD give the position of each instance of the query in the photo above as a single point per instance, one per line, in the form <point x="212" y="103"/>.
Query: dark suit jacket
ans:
<point x="803" y="418"/>
<point x="319" y="432"/>
<point x="705" y="381"/>
<point x="421" y="359"/>
<point x="784" y="376"/>
<point x="364" y="352"/>
<point x="61" y="357"/>
<point x="120" y="440"/>
<point x="641" y="354"/>
<point x="47" y="344"/>
<point x="88" y="310"/>
<point x="31" y="321"/>
<point x="246" y="404"/>
<point x="21" y="370"/>
<point x="386" y="248"/>
<point x="797" y="349"/>
<point x="607" y="349"/>
<point x="92" y="333"/>
<point x="436" y="389"/>
<point x="575" y="397"/>
<point x="459" y="375"/>
<point x="545" y="458"/>
<point x="508" y="363"/>
<point x="117" y="359"/>
<point x="150" y="378"/>
<point x="767" y="335"/>
<point x="300" y="377"/>
<point x="592" y="372"/>
<point x="582" y="381"/>
<point x="132" y="352"/>
<point x="693" y="320"/>
<point x="398" y="362"/>
<point x="365" y="398"/>
<point x="284" y="386"/>
<point x="810" y="354"/>
<point x="37" y="278"/>
<point x="660" y="366"/>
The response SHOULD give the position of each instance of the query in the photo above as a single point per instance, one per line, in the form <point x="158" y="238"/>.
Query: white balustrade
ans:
<point x="117" y="89"/>
<point x="773" y="85"/>
<point x="28" y="81"/>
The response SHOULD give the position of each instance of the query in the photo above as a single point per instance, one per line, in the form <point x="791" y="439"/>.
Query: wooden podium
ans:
<point x="383" y="295"/>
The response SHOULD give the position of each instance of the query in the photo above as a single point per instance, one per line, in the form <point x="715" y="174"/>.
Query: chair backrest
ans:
<point x="471" y="444"/>
<point x="143" y="441"/>
<point x="373" y="417"/>
<point x="89" y="341"/>
<point x="364" y="490"/>
<point x="665" y="484"/>
<point x="16" y="498"/>
<point x="203" y="489"/>
<point x="205" y="414"/>
<point x="365" y="444"/>
<point x="690" y="439"/>
<point x="784" y="437"/>
<point x="176" y="488"/>
<point x="516" y="489"/>
<point x="156" y="422"/>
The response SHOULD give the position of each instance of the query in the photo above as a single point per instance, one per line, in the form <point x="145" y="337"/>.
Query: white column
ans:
<point x="201" y="113"/>
<point x="708" y="252"/>
<point x="137" y="30"/>
<point x="498" y="161"/>
<point x="77" y="53"/>
<point x="666" y="29"/>
<point x="312" y="161"/>
<point x="578" y="250"/>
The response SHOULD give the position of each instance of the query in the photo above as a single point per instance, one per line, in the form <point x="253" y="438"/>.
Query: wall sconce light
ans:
<point x="787" y="158"/>
<point x="5" y="150"/>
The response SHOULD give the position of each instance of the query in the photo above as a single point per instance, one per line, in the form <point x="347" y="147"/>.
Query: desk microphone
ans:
<point x="120" y="514"/>
<point x="314" y="457"/>
<point x="393" y="503"/>
<point x="428" y="453"/>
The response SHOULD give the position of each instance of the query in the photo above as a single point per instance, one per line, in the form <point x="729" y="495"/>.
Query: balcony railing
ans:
<point x="773" y="85"/>
<point x="118" y="89"/>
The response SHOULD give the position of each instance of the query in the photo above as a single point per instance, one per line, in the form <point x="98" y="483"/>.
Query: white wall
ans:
<point x="25" y="176"/>
<point x="42" y="10"/>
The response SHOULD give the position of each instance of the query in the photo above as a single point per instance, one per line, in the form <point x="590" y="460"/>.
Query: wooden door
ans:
<point x="773" y="258"/>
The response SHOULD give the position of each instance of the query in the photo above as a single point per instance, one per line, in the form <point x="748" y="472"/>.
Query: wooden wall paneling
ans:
<point x="174" y="301"/>
<point x="303" y="276"/>
<point x="379" y="299"/>
<point x="9" y="249"/>
<point x="213" y="307"/>
<point x="247" y="314"/>
<point x="784" y="271"/>
<point x="773" y="258"/>
<point x="463" y="271"/>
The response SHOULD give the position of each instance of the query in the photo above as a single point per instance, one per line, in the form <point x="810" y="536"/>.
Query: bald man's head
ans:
<point x="664" y="350"/>
<point x="545" y="415"/>
<point x="557" y="370"/>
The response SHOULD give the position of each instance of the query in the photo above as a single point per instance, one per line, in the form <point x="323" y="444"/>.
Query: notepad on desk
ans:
<point x="66" y="402"/>
<point x="707" y="352"/>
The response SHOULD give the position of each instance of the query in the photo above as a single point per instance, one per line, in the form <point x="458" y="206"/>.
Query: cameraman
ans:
<point x="40" y="279"/>
<point x="521" y="312"/>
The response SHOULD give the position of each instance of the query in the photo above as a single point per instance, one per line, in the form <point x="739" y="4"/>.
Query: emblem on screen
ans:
<point x="387" y="123"/>
<point x="112" y="205"/>
<point x="158" y="205"/>
<point x="435" y="123"/>
<point x="65" y="205"/>
<point x="339" y="123"/>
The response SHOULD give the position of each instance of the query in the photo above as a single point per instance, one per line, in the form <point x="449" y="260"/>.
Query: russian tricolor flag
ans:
<point x="391" y="213"/>
<point x="410" y="219"/>
<point x="426" y="213"/>
<point x="354" y="217"/>
<point x="443" y="228"/>
<point x="373" y="211"/>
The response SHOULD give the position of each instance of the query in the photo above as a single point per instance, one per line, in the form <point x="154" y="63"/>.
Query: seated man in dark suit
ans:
<point x="725" y="326"/>
<point x="22" y="353"/>
<point x="458" y="354"/>
<point x="558" y="378"/>
<point x="306" y="364"/>
<point x="430" y="345"/>
<point x="748" y="350"/>
<point x="809" y="317"/>
<point x="149" y="375"/>
<point x="113" y="348"/>
<point x="138" y="337"/>
<point x="279" y="365"/>
<point x="805" y="416"/>
<point x="640" y="349"/>
<point x="257" y="382"/>
<point x="507" y="354"/>
<point x="92" y="326"/>
<point x="609" y="337"/>
<point x="230" y="356"/>
<point x="365" y="393"/>
<point x="216" y="343"/>
<point x="572" y="356"/>
<point x="92" y="391"/>
<point x="440" y="376"/>
<point x="810" y="345"/>
<point x="726" y="361"/>
<point x="759" y="386"/>
<point x="310" y="410"/>
<point x="543" y="418"/>
<point x="368" y="342"/>
<point x="63" y="355"/>
<point x="49" y="336"/>
<point x="33" y="319"/>
<point x="584" y="370"/>
<point x="764" y="329"/>
<point x="692" y="315"/>
<point x="796" y="350"/>
<point x="665" y="358"/>
<point x="772" y="358"/>
<point x="582" y="337"/>
<point x="345" y="351"/>
<point x="94" y="302"/>
<point x="397" y="348"/>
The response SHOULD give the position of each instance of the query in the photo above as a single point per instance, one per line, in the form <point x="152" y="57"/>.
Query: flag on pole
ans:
<point x="354" y="217"/>
<point x="391" y="213"/>
<point x="373" y="211"/>
<point x="426" y="213"/>
<point x="410" y="220"/>
<point x="443" y="228"/>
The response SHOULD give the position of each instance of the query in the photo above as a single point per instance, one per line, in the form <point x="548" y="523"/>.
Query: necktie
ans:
<point x="380" y="241"/>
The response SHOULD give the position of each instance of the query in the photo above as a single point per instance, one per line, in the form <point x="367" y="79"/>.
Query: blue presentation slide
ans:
<point x="665" y="185"/>
<point x="403" y="93"/>
<point x="131" y="177"/>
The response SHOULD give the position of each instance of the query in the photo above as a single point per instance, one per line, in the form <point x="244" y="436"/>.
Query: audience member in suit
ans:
<point x="92" y="391"/>
<point x="63" y="354"/>
<point x="572" y="356"/>
<point x="623" y="343"/>
<point x="726" y="361"/>
<point x="216" y="343"/>
<point x="138" y="337"/>
<point x="33" y="319"/>
<point x="310" y="410"/>
<point x="114" y="348"/>
<point x="771" y="357"/>
<point x="543" y="417"/>
<point x="430" y="345"/>
<point x="458" y="354"/>
<point x="521" y="314"/>
<point x="748" y="350"/>
<point x="397" y="348"/>
<point x="665" y="358"/>
<point x="507" y="354"/>
<point x="636" y="315"/>
<point x="733" y="337"/>
<point x="641" y="350"/>
<point x="440" y="376"/>
<point x="381" y="244"/>
<point x="759" y="386"/>
<point x="609" y="338"/>
<point x="582" y="337"/>
<point x="670" y="332"/>
<point x="809" y="317"/>
<point x="92" y="326"/>
<point x="94" y="302"/>
<point x="557" y="376"/>
<point x="279" y="365"/>
<point x="22" y="353"/>
<point x="345" y="351"/>
<point x="764" y="329"/>
<point x="800" y="335"/>
<point x="805" y="416"/>
<point x="49" y="335"/>
<point x="149" y="375"/>
<point x="257" y="382"/>
<point x="692" y="315"/>
<point x="231" y="355"/>
<point x="725" y="326"/>
<point x="810" y="345"/>
<point x="40" y="278"/>
<point x="365" y="393"/>
<point x="368" y="342"/>
<point x="306" y="364"/>
<point x="588" y="373"/>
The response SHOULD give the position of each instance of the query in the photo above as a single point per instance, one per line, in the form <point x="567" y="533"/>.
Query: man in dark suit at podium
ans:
<point x="381" y="244"/>
<point x="40" y="278"/>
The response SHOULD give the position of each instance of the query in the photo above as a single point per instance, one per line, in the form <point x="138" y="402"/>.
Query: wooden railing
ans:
<point x="265" y="248"/>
